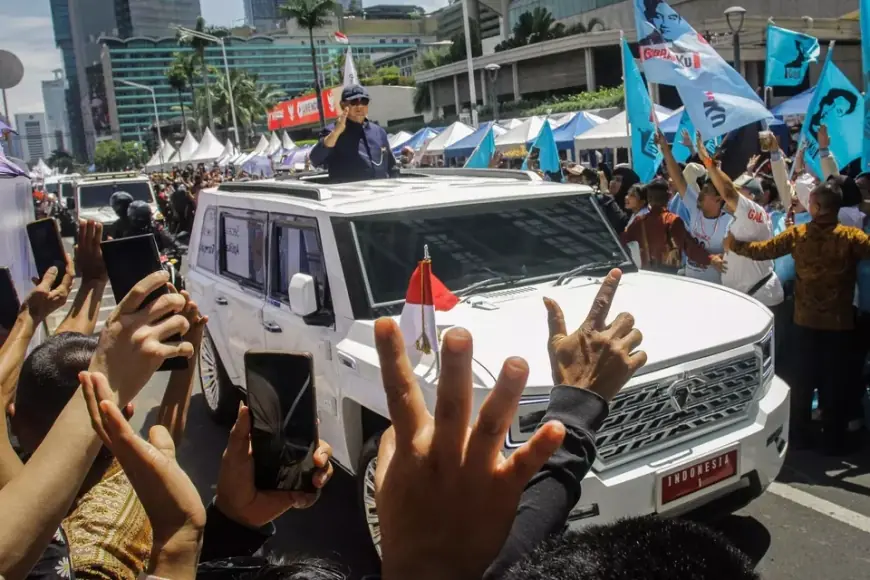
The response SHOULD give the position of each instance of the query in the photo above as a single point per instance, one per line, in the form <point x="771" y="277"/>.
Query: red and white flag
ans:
<point x="426" y="294"/>
<point x="341" y="38"/>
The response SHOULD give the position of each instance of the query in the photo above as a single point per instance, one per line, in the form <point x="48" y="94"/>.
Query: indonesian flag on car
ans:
<point x="426" y="294"/>
<point x="341" y="38"/>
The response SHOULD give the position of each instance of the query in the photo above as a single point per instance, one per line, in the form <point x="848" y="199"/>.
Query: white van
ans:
<point x="705" y="419"/>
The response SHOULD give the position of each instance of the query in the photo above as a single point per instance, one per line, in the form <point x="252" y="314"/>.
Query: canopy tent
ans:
<point x="227" y="155"/>
<point x="42" y="169"/>
<point x="579" y="124"/>
<point x="286" y="142"/>
<point x="419" y="139"/>
<point x="186" y="151"/>
<point x="796" y="105"/>
<point x="274" y="145"/>
<point x="510" y="123"/>
<point x="465" y="147"/>
<point x="613" y="134"/>
<point x="258" y="165"/>
<point x="399" y="138"/>
<point x="209" y="148"/>
<point x="520" y="135"/>
<point x="296" y="159"/>
<point x="161" y="157"/>
<point x="260" y="149"/>
<point x="670" y="125"/>
<point x="452" y="134"/>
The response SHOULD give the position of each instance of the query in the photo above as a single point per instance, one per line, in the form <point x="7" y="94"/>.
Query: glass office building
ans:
<point x="560" y="9"/>
<point x="284" y="62"/>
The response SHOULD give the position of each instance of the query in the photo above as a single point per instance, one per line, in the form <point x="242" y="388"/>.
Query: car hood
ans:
<point x="681" y="320"/>
<point x="105" y="215"/>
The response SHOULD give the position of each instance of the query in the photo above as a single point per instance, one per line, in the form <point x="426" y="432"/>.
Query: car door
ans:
<point x="238" y="297"/>
<point x="295" y="247"/>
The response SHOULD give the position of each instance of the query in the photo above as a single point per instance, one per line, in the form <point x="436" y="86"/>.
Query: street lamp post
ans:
<point x="734" y="16"/>
<point x="187" y="31"/>
<point x="469" y="59"/>
<point x="492" y="71"/>
<point x="156" y="113"/>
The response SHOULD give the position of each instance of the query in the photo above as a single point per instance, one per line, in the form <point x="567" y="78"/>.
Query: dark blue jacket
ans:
<point x="361" y="152"/>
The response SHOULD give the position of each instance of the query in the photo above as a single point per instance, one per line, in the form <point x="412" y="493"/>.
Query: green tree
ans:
<point x="136" y="154"/>
<point x="199" y="45"/>
<point x="110" y="155"/>
<point x="178" y="78"/>
<point x="311" y="14"/>
<point x="61" y="161"/>
<point x="536" y="26"/>
<point x="252" y="99"/>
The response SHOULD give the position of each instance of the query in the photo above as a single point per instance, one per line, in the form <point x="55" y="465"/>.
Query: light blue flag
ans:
<point x="717" y="98"/>
<point x="548" y="157"/>
<point x="865" y="54"/>
<point x="645" y="154"/>
<point x="789" y="55"/>
<point x="838" y="105"/>
<point x="483" y="153"/>
<point x="680" y="151"/>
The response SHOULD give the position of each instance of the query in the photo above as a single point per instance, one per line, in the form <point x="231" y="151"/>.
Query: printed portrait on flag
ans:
<point x="835" y="105"/>
<point x="665" y="25"/>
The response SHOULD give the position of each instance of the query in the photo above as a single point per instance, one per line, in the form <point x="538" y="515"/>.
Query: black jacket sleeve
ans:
<point x="555" y="490"/>
<point x="617" y="217"/>
<point x="320" y="152"/>
<point x="225" y="538"/>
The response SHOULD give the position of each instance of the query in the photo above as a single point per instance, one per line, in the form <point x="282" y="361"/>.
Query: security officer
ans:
<point x="354" y="148"/>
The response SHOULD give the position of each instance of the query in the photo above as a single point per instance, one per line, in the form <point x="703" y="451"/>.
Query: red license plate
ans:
<point x="695" y="477"/>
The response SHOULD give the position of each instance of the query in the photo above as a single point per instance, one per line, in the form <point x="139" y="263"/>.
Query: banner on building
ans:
<point x="302" y="111"/>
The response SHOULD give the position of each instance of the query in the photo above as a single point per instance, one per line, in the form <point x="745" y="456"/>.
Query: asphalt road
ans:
<point x="813" y="523"/>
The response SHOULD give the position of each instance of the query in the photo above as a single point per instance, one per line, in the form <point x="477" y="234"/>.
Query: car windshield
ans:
<point x="98" y="194"/>
<point x="509" y="242"/>
<point x="51" y="187"/>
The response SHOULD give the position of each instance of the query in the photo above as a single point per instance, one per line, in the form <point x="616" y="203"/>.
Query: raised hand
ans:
<point x="170" y="499"/>
<point x="686" y="140"/>
<point x="341" y="122"/>
<point x="446" y="496"/>
<point x="703" y="154"/>
<point x="42" y="300"/>
<point x="597" y="356"/>
<point x="132" y="345"/>
<point x="824" y="138"/>
<point x="238" y="498"/>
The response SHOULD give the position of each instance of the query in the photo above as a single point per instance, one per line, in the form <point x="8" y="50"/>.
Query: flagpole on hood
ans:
<point x="624" y="98"/>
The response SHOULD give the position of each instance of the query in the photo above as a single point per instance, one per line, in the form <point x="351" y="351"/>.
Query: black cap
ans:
<point x="353" y="92"/>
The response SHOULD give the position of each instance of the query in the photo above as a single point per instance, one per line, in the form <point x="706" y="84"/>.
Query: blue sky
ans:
<point x="25" y="29"/>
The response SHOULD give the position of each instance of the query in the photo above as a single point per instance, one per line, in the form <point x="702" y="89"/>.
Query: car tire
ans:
<point x="368" y="460"/>
<point x="220" y="395"/>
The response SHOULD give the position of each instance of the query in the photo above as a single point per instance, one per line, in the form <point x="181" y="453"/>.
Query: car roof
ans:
<point x="86" y="181"/>
<point x="412" y="191"/>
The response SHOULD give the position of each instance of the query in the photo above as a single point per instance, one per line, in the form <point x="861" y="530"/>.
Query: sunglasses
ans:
<point x="357" y="102"/>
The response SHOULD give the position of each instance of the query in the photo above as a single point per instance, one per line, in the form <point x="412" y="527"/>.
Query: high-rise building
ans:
<point x="54" y="100"/>
<point x="78" y="26"/>
<point x="263" y="14"/>
<point x="32" y="136"/>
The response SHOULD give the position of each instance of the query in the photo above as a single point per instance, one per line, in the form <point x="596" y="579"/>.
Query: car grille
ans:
<point x="649" y="416"/>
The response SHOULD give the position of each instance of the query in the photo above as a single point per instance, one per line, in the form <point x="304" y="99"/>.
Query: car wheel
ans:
<point x="368" y="462"/>
<point x="221" y="396"/>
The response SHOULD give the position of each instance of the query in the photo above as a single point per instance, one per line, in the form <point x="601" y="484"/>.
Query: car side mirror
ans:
<point x="303" y="294"/>
<point x="70" y="203"/>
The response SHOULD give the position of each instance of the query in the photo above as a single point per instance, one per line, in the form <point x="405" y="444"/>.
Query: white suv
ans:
<point x="92" y="194"/>
<point x="308" y="266"/>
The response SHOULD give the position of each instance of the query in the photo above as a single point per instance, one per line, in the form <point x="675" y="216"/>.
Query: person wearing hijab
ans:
<point x="623" y="178"/>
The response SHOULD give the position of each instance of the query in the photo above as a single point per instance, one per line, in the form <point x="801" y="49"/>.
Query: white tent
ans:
<point x="186" y="151"/>
<point x="521" y="134"/>
<point x="209" y="148"/>
<point x="228" y="153"/>
<point x="262" y="145"/>
<point x="448" y="137"/>
<point x="42" y="169"/>
<point x="510" y="123"/>
<point x="161" y="157"/>
<point x="399" y="138"/>
<point x="274" y="145"/>
<point x="286" y="142"/>
<point x="613" y="134"/>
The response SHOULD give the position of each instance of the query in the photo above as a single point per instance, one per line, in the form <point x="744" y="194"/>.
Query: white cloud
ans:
<point x="31" y="38"/>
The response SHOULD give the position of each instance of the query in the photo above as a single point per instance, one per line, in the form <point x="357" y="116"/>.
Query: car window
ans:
<point x="243" y="248"/>
<point x="98" y="194"/>
<point x="296" y="249"/>
<point x="206" y="254"/>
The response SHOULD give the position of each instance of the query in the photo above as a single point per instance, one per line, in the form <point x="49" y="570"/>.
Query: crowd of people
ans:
<point x="795" y="241"/>
<point x="85" y="496"/>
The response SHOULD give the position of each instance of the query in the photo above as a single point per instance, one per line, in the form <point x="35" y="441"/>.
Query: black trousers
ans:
<point x="861" y="346"/>
<point x="824" y="361"/>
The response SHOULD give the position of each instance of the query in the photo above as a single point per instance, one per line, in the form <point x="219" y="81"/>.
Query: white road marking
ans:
<point x="821" y="506"/>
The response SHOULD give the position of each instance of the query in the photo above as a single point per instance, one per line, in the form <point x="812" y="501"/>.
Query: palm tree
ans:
<point x="177" y="77"/>
<point x="252" y="99"/>
<point x="199" y="45"/>
<point x="311" y="14"/>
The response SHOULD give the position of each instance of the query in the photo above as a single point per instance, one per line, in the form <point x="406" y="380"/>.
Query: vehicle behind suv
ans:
<point x="93" y="192"/>
<point x="308" y="266"/>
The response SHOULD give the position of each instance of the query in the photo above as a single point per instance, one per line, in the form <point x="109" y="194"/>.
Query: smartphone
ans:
<point x="283" y="406"/>
<point x="47" y="247"/>
<point x="128" y="260"/>
<point x="10" y="305"/>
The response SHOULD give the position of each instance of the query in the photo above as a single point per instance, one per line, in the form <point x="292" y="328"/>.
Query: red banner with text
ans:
<point x="303" y="110"/>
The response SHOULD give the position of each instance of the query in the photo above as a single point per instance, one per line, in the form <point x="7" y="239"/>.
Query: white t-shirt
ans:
<point x="752" y="224"/>
<point x="710" y="233"/>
